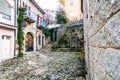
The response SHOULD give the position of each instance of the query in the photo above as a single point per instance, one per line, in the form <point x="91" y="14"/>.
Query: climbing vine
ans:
<point x="20" y="34"/>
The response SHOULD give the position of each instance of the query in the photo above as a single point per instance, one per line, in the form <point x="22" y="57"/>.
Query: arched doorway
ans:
<point x="29" y="42"/>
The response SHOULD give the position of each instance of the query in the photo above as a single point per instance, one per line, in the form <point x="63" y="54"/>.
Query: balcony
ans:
<point x="30" y="16"/>
<point x="41" y="24"/>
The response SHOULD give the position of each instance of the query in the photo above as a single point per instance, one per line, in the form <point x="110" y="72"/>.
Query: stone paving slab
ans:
<point x="42" y="66"/>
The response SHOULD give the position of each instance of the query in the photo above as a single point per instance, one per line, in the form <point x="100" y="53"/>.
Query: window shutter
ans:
<point x="38" y="18"/>
<point x="29" y="11"/>
<point x="23" y="4"/>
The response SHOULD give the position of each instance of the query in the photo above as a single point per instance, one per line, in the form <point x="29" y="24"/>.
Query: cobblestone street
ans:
<point x="42" y="66"/>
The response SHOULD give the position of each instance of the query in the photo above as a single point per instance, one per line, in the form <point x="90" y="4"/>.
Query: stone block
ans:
<point x="110" y="59"/>
<point x="107" y="9"/>
<point x="99" y="72"/>
<point x="98" y="39"/>
<point x="100" y="12"/>
<point x="112" y="31"/>
<point x="94" y="54"/>
<point x="107" y="77"/>
<point x="94" y="24"/>
<point x="104" y="60"/>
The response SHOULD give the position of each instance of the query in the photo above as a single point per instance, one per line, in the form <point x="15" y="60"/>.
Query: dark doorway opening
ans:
<point x="29" y="42"/>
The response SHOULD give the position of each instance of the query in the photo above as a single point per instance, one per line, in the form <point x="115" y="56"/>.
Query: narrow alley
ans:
<point x="59" y="39"/>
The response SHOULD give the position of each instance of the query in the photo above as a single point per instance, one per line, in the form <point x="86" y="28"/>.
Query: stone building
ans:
<point x="102" y="39"/>
<point x="69" y="37"/>
<point x="33" y="26"/>
<point x="7" y="29"/>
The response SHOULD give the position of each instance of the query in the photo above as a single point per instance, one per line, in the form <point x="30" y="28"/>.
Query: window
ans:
<point x="39" y="40"/>
<point x="3" y="37"/>
<point x="5" y="10"/>
<point x="71" y="2"/>
<point x="71" y="13"/>
<point x="8" y="37"/>
<point x="6" y="16"/>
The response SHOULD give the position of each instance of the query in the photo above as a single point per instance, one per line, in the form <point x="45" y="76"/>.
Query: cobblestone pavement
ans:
<point x="42" y="66"/>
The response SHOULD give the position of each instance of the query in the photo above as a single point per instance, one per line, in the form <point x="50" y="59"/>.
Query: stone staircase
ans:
<point x="62" y="32"/>
<point x="64" y="27"/>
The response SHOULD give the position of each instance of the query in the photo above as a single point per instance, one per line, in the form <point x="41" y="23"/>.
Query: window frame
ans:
<point x="71" y="2"/>
<point x="39" y="39"/>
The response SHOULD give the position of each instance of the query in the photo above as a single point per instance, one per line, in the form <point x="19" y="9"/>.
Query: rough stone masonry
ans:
<point x="102" y="39"/>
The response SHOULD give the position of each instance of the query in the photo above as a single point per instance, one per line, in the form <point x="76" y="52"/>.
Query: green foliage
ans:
<point x="61" y="17"/>
<point x="20" y="34"/>
<point x="63" y="43"/>
<point x="54" y="47"/>
<point x="48" y="31"/>
<point x="83" y="66"/>
<point x="20" y="54"/>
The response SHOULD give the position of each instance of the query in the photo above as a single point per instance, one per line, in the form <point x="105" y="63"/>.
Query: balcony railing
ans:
<point x="5" y="16"/>
<point x="41" y="24"/>
<point x="30" y="16"/>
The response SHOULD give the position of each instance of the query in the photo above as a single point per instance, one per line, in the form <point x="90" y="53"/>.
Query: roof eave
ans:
<point x="37" y="6"/>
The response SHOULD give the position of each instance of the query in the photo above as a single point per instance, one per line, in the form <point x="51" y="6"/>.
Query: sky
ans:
<point x="48" y="4"/>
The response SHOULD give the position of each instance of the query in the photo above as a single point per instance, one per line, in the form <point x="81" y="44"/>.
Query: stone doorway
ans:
<point x="29" y="42"/>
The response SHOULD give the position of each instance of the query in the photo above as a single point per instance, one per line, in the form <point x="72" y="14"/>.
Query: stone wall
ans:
<point x="69" y="37"/>
<point x="102" y="39"/>
<point x="72" y="40"/>
<point x="73" y="36"/>
<point x="58" y="32"/>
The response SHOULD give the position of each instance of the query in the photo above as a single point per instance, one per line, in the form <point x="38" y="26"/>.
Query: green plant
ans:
<point x="20" y="34"/>
<point x="48" y="31"/>
<point x="61" y="17"/>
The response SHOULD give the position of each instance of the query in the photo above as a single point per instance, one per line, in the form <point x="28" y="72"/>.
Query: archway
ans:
<point x="29" y="42"/>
